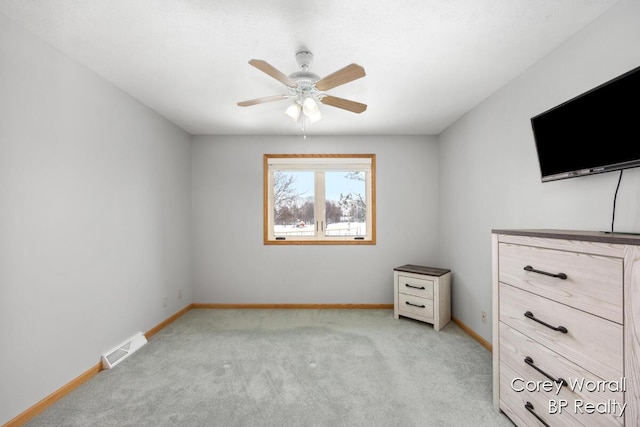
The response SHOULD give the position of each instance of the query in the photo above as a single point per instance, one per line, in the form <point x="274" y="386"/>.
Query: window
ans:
<point x="318" y="199"/>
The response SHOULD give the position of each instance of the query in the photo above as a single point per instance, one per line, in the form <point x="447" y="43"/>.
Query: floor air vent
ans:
<point x="117" y="354"/>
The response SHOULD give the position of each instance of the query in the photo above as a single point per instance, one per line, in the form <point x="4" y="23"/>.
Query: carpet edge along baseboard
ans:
<point x="42" y="405"/>
<point x="45" y="403"/>
<point x="292" y="306"/>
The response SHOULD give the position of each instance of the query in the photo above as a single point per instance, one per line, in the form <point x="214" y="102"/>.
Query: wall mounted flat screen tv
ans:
<point x="596" y="132"/>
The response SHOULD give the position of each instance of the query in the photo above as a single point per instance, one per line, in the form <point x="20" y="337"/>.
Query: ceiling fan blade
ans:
<point x="345" y="104"/>
<point x="265" y="67"/>
<point x="344" y="75"/>
<point x="261" y="100"/>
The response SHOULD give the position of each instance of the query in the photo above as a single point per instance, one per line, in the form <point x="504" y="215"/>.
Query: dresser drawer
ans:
<point x="422" y="288"/>
<point x="590" y="341"/>
<point x="534" y="362"/>
<point x="416" y="306"/>
<point x="538" y="401"/>
<point x="592" y="284"/>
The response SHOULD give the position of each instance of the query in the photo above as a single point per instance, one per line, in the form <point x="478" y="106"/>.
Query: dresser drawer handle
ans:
<point x="529" y="361"/>
<point x="415" y="305"/>
<point x="529" y="407"/>
<point x="546" y="273"/>
<point x="562" y="329"/>
<point x="414" y="287"/>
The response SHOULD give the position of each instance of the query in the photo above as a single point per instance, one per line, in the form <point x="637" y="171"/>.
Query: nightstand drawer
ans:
<point x="588" y="282"/>
<point x="422" y="293"/>
<point x="589" y="341"/>
<point x="412" y="304"/>
<point x="422" y="288"/>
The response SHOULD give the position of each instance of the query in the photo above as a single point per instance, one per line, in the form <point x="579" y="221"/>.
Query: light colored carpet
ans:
<point x="291" y="368"/>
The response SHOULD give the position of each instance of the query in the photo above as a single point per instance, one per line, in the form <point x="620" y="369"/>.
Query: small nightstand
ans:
<point x="422" y="293"/>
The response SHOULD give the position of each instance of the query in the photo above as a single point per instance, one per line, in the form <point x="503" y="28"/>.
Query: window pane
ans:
<point x="293" y="203"/>
<point x="316" y="199"/>
<point x="345" y="203"/>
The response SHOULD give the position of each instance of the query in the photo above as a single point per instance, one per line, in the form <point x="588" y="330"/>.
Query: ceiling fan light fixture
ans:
<point x="314" y="117"/>
<point x="293" y="111"/>
<point x="311" y="110"/>
<point x="309" y="106"/>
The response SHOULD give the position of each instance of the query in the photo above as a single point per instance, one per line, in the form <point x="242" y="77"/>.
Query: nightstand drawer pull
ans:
<point x="562" y="329"/>
<point x="529" y="407"/>
<point x="529" y="361"/>
<point x="415" y="287"/>
<point x="558" y="275"/>
<point x="415" y="305"/>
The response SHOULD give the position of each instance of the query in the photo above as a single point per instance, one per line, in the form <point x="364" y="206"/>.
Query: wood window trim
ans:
<point x="266" y="192"/>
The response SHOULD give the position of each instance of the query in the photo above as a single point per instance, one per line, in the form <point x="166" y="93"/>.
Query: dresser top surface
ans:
<point x="591" y="236"/>
<point x="419" y="269"/>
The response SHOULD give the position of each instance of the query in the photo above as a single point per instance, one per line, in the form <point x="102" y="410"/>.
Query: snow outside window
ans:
<point x="319" y="199"/>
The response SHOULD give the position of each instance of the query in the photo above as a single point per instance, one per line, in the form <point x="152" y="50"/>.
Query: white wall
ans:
<point x="489" y="175"/>
<point x="231" y="264"/>
<point x="94" y="219"/>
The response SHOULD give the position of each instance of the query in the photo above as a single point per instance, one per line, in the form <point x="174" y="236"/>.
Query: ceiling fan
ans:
<point x="306" y="89"/>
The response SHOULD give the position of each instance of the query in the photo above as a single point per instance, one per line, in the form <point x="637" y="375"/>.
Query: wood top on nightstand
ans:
<point x="419" y="269"/>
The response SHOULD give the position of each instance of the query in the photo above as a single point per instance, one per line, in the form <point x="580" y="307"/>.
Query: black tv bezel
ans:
<point x="608" y="167"/>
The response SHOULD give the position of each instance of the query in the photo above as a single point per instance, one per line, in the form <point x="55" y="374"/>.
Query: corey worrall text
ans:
<point x="575" y="384"/>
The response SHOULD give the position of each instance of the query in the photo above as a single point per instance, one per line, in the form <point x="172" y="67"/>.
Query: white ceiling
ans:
<point x="428" y="62"/>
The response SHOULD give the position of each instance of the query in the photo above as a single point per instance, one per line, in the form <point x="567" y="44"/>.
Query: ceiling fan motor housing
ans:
<point x="304" y="77"/>
<point x="304" y="59"/>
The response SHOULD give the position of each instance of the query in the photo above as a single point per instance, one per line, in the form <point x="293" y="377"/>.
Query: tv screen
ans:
<point x="598" y="131"/>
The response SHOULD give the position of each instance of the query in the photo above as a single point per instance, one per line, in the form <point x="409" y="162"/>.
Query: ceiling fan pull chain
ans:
<point x="304" y="135"/>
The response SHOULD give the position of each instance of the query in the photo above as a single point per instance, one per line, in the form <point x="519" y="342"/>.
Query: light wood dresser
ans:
<point x="422" y="293"/>
<point x="566" y="327"/>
